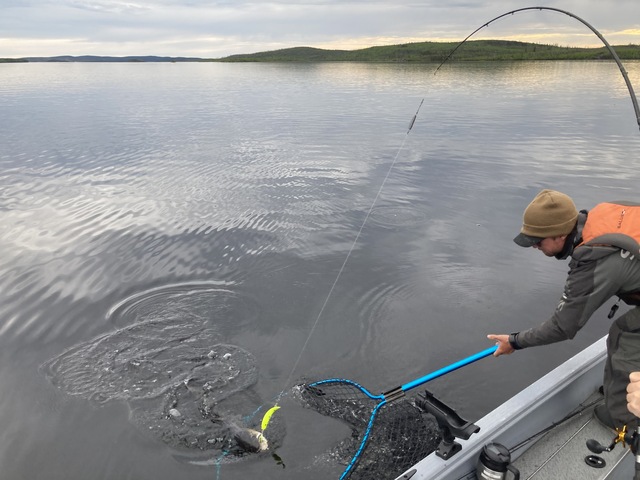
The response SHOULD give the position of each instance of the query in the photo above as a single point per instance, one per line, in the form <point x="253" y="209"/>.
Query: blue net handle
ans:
<point x="449" y="368"/>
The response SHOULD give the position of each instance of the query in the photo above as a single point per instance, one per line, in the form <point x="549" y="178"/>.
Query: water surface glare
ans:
<point x="170" y="234"/>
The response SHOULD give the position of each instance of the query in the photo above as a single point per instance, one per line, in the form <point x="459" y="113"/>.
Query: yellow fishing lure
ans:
<point x="267" y="417"/>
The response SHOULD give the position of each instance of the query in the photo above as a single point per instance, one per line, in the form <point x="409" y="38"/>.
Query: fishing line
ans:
<point x="271" y="411"/>
<point x="328" y="395"/>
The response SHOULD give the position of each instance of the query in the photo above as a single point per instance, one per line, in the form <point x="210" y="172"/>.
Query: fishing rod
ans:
<point x="613" y="53"/>
<point x="399" y="392"/>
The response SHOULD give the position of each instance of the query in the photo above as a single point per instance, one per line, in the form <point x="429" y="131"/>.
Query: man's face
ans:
<point x="551" y="246"/>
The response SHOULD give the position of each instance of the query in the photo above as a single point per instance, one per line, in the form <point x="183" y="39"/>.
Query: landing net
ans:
<point x="401" y="435"/>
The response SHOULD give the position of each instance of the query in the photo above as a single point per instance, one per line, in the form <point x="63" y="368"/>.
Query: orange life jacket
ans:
<point x="616" y="224"/>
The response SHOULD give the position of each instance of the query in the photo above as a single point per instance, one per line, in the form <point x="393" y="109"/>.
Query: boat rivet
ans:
<point x="595" y="461"/>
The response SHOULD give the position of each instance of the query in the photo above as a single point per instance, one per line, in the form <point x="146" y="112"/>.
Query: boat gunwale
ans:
<point x="544" y="402"/>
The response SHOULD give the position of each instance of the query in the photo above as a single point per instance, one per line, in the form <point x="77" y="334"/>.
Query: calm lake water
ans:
<point x="159" y="220"/>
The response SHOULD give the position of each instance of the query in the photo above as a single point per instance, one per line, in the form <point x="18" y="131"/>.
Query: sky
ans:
<point x="215" y="29"/>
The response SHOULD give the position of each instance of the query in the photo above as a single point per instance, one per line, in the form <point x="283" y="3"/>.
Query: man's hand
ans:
<point x="505" y="348"/>
<point x="633" y="393"/>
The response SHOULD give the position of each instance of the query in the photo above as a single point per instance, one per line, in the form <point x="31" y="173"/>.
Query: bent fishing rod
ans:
<point x="613" y="53"/>
<point x="399" y="392"/>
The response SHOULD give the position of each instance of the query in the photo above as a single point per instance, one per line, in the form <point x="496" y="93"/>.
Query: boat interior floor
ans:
<point x="562" y="452"/>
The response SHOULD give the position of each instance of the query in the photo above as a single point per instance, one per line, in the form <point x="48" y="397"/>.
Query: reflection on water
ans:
<point x="166" y="210"/>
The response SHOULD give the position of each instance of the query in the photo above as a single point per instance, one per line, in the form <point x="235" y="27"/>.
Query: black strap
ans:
<point x="513" y="341"/>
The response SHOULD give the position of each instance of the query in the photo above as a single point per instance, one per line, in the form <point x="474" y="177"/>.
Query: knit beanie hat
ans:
<point x="550" y="214"/>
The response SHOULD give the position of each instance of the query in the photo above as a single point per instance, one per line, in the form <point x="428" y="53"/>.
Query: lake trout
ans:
<point x="248" y="439"/>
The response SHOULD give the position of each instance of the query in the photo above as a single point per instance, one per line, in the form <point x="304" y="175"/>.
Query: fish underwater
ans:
<point x="191" y="418"/>
<point x="247" y="439"/>
<point x="182" y="388"/>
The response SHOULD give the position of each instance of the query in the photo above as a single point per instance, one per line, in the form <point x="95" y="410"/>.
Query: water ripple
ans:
<point x="229" y="196"/>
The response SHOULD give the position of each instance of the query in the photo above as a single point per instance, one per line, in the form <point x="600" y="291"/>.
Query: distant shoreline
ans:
<point x="422" y="52"/>
<point x="100" y="59"/>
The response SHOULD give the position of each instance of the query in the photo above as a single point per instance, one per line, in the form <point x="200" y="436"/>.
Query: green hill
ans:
<point x="423" y="52"/>
<point x="435" y="52"/>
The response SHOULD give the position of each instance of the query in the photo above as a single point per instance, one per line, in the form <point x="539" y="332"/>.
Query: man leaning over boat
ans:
<point x="603" y="244"/>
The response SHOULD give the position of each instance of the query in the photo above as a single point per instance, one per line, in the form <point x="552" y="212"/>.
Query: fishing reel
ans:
<point x="622" y="436"/>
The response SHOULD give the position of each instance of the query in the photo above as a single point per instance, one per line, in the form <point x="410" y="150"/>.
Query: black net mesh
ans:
<point x="401" y="435"/>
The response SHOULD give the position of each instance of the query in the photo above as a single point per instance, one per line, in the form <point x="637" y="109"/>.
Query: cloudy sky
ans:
<point x="213" y="29"/>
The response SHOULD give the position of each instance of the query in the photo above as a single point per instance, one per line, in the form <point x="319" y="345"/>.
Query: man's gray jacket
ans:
<point x="596" y="274"/>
